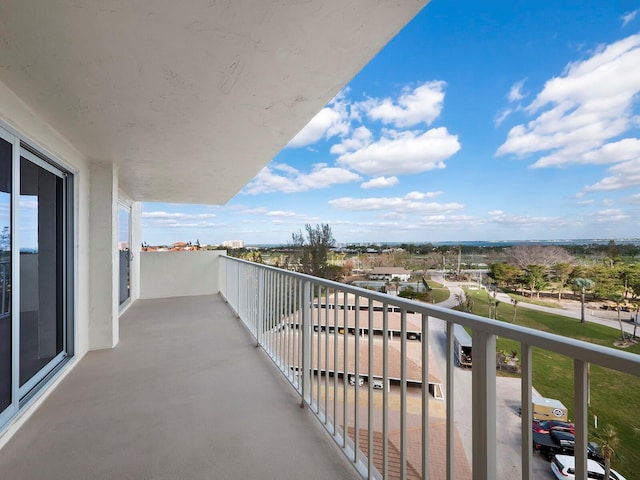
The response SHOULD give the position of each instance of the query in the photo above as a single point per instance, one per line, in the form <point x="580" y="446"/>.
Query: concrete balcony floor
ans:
<point x="184" y="395"/>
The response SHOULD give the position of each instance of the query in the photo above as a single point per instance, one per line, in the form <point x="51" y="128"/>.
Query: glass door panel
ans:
<point x="6" y="330"/>
<point x="41" y="221"/>
<point x="124" y="252"/>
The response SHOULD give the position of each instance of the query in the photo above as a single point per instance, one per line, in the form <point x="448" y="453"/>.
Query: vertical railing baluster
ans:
<point x="345" y="366"/>
<point x="318" y="316"/>
<point x="262" y="302"/>
<point x="449" y="401"/>
<point x="370" y="393"/>
<point x="385" y="390"/>
<point x="306" y="342"/>
<point x="483" y="411"/>
<point x="299" y="324"/>
<point x="336" y="294"/>
<point x="526" y="414"/>
<point x="425" y="396"/>
<point x="326" y="355"/>
<point x="580" y="394"/>
<point x="356" y="356"/>
<point x="403" y="394"/>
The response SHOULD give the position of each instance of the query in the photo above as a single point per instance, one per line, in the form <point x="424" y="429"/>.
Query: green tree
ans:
<point x="561" y="273"/>
<point x="535" y="276"/>
<point x="582" y="284"/>
<point x="608" y="440"/>
<point x="313" y="250"/>
<point x="504" y="274"/>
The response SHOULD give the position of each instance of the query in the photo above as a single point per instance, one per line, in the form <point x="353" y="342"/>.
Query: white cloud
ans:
<point x="177" y="216"/>
<point x="282" y="213"/>
<point x="255" y="211"/>
<point x="360" y="138"/>
<point x="515" y="93"/>
<point x="629" y="17"/>
<point x="421" y="105"/>
<point x="609" y="216"/>
<point x="526" y="222"/>
<point x="409" y="204"/>
<point x="380" y="182"/>
<point x="633" y="199"/>
<point x="623" y="175"/>
<point x="501" y="116"/>
<point x="406" y="152"/>
<point x="330" y="121"/>
<point x="421" y="195"/>
<point x="286" y="179"/>
<point x="582" y="114"/>
<point x="178" y="220"/>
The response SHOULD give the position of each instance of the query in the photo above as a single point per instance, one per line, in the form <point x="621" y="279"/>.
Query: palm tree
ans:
<point x="619" y="299"/>
<point x="608" y="443"/>
<point x="583" y="284"/>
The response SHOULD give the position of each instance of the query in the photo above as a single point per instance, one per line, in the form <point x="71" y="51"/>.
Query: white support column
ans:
<point x="483" y="410"/>
<point x="103" y="256"/>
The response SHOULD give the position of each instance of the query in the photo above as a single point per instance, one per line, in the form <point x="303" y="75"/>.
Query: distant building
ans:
<point x="233" y="244"/>
<point x="389" y="274"/>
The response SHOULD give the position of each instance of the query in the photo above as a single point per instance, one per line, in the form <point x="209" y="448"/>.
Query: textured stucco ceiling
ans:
<point x="190" y="98"/>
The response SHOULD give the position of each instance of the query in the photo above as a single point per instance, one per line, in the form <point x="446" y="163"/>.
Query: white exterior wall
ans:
<point x="177" y="274"/>
<point x="16" y="115"/>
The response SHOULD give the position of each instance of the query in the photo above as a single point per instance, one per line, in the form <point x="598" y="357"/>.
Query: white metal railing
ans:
<point x="303" y="324"/>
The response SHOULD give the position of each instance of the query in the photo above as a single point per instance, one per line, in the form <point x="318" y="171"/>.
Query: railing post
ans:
<point x="306" y="343"/>
<point x="526" y="414"/>
<point x="483" y="410"/>
<point x="450" y="403"/>
<point x="580" y="420"/>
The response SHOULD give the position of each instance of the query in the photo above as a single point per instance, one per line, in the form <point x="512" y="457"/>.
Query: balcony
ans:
<point x="186" y="393"/>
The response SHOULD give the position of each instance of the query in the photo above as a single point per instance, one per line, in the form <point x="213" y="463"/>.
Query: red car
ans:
<point x="546" y="426"/>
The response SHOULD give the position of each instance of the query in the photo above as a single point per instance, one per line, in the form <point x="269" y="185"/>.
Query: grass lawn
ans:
<point x="439" y="292"/>
<point x="534" y="300"/>
<point x="615" y="396"/>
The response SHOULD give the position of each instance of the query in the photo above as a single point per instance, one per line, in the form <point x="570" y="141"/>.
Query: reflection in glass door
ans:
<point x="6" y="329"/>
<point x="42" y="254"/>
<point x="124" y="252"/>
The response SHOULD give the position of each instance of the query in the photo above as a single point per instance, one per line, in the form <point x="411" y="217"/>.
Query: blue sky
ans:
<point x="501" y="120"/>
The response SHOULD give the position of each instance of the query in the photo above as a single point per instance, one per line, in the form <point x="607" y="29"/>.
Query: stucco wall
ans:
<point x="17" y="116"/>
<point x="178" y="274"/>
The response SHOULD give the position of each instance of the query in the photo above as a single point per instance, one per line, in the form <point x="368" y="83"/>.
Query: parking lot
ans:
<point x="508" y="447"/>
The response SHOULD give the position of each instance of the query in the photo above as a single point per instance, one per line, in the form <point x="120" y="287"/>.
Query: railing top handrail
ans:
<point x="578" y="349"/>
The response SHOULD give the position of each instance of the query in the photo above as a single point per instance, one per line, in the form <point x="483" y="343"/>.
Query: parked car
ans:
<point x="563" y="467"/>
<point x="557" y="442"/>
<point x="546" y="426"/>
<point x="352" y="380"/>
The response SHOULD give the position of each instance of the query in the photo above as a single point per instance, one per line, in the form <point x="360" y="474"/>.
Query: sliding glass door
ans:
<point x="124" y="252"/>
<point x="6" y="327"/>
<point x="35" y="272"/>
<point x="42" y="252"/>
